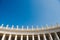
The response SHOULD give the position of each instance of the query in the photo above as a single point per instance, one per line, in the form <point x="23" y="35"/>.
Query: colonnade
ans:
<point x="48" y="36"/>
<point x="48" y="33"/>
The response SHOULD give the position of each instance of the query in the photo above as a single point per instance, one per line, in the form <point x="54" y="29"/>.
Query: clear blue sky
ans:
<point x="29" y="12"/>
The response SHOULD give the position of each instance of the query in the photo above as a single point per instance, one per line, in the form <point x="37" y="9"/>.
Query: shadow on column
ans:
<point x="41" y="37"/>
<point x="6" y="37"/>
<point x="18" y="37"/>
<point x="24" y="37"/>
<point x="53" y="36"/>
<point x="1" y="36"/>
<point x="47" y="36"/>
<point x="30" y="37"/>
<point x="13" y="37"/>
<point x="35" y="37"/>
<point x="58" y="33"/>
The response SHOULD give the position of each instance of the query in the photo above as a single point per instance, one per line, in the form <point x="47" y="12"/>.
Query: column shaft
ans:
<point x="38" y="37"/>
<point x="50" y="37"/>
<point x="56" y="36"/>
<point x="15" y="37"/>
<point x="3" y="37"/>
<point x="9" y="37"/>
<point x="32" y="37"/>
<point x="44" y="37"/>
<point x="27" y="37"/>
<point x="21" y="37"/>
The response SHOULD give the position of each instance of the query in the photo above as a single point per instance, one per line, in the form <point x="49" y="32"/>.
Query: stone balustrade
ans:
<point x="43" y="33"/>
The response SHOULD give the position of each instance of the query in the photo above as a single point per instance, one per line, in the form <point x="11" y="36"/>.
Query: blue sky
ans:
<point x="29" y="12"/>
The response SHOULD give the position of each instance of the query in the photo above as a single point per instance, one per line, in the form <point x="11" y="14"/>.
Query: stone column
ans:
<point x="56" y="36"/>
<point x="38" y="37"/>
<point x="9" y="37"/>
<point x="21" y="37"/>
<point x="50" y="37"/>
<point x="44" y="37"/>
<point x="27" y="37"/>
<point x="15" y="37"/>
<point x="3" y="37"/>
<point x="32" y="37"/>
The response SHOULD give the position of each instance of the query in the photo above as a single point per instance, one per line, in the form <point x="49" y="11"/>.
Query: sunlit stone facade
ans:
<point x="44" y="33"/>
